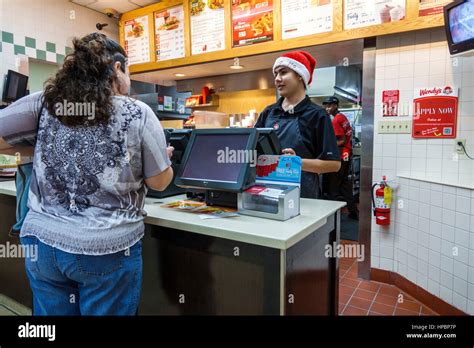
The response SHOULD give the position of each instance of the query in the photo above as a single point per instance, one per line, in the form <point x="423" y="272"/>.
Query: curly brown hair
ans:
<point x="87" y="76"/>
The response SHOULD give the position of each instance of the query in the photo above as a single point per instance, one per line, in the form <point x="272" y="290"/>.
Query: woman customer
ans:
<point x="96" y="151"/>
<point x="303" y="128"/>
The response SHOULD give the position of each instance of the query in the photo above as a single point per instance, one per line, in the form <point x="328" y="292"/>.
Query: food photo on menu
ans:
<point x="390" y="11"/>
<point x="252" y="21"/>
<point x="171" y="23"/>
<point x="137" y="29"/>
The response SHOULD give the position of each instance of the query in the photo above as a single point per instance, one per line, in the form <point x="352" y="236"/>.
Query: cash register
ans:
<point x="222" y="162"/>
<point x="219" y="161"/>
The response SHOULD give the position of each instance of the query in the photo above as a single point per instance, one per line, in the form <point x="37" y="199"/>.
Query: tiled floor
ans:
<point x="361" y="297"/>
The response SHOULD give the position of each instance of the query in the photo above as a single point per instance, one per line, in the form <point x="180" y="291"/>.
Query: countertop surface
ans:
<point x="468" y="185"/>
<point x="247" y="229"/>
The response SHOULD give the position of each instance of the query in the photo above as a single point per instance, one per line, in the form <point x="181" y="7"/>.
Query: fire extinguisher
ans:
<point x="382" y="202"/>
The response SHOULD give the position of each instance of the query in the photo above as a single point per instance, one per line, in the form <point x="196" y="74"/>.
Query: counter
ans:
<point x="238" y="265"/>
<point x="467" y="185"/>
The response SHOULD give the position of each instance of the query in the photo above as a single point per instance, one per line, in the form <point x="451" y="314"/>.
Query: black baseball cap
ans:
<point x="331" y="100"/>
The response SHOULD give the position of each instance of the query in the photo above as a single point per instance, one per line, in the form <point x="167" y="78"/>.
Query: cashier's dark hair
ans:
<point x="87" y="76"/>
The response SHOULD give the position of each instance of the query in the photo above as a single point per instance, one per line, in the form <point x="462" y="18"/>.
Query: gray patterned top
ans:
<point x="87" y="189"/>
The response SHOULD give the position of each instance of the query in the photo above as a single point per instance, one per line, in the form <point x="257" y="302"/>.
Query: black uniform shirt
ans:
<point x="307" y="130"/>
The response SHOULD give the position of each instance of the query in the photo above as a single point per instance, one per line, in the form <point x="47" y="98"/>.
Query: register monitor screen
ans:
<point x="218" y="159"/>
<point x="268" y="143"/>
<point x="179" y="139"/>
<point x="15" y="86"/>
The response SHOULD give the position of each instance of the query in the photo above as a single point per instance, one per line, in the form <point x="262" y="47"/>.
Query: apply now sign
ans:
<point x="435" y="112"/>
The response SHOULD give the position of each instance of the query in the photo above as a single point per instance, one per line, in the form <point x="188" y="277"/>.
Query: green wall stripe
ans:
<point x="7" y="37"/>
<point x="40" y="54"/>
<point x="30" y="42"/>
<point x="50" y="47"/>
<point x="17" y="49"/>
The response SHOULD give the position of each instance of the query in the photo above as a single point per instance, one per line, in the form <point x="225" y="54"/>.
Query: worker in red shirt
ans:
<point x="338" y="184"/>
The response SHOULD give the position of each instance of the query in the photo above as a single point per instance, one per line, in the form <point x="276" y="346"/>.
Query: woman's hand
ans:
<point x="289" y="152"/>
<point x="170" y="150"/>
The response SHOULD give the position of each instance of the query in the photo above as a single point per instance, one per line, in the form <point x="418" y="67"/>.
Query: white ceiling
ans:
<point x="120" y="6"/>
<point x="326" y="56"/>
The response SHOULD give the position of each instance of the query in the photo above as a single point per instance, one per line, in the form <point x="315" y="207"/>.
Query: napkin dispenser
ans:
<point x="270" y="201"/>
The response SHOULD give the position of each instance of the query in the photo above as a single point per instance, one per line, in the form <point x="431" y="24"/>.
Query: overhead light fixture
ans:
<point x="179" y="75"/>
<point x="236" y="65"/>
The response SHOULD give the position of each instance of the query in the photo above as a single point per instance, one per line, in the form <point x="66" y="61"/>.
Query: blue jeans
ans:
<point x="73" y="284"/>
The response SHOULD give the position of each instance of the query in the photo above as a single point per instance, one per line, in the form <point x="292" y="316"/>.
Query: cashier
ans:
<point x="303" y="128"/>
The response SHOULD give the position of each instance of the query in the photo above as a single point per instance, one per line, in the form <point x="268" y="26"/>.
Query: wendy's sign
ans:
<point x="435" y="112"/>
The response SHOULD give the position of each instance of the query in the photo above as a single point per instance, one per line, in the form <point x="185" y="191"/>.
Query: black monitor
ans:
<point x="268" y="142"/>
<point x="219" y="159"/>
<point x="15" y="86"/>
<point x="178" y="138"/>
<point x="459" y="26"/>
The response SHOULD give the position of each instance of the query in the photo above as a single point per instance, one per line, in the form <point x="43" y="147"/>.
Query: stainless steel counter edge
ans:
<point x="247" y="229"/>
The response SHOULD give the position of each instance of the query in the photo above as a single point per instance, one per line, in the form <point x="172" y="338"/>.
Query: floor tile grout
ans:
<point x="378" y="292"/>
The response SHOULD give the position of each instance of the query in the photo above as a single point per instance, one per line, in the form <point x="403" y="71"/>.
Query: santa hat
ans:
<point x="300" y="62"/>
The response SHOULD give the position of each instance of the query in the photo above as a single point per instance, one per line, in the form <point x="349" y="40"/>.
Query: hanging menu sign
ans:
<point x="435" y="112"/>
<point x="169" y="33"/>
<point x="431" y="7"/>
<point x="362" y="13"/>
<point x="252" y="21"/>
<point x="207" y="26"/>
<point x="306" y="17"/>
<point x="137" y="40"/>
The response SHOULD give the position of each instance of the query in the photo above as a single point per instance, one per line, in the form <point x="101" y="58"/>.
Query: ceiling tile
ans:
<point x="83" y="2"/>
<point x="120" y="5"/>
<point x="144" y="2"/>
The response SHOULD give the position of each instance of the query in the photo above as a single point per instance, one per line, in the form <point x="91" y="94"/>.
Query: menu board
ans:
<point x="431" y="7"/>
<point x="252" y="21"/>
<point x="305" y="17"/>
<point x="207" y="26"/>
<point x="362" y="13"/>
<point x="137" y="40"/>
<point x="169" y="33"/>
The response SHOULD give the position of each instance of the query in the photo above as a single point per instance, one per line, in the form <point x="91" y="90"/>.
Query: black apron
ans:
<point x="287" y="129"/>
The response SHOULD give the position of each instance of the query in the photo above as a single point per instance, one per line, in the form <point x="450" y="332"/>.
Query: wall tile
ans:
<point x="462" y="221"/>
<point x="447" y="264"/>
<point x="435" y="213"/>
<point x="433" y="287"/>
<point x="460" y="286"/>
<point x="449" y="201"/>
<point x="459" y="301"/>
<point x="446" y="279"/>
<point x="463" y="204"/>
<point x="447" y="248"/>
<point x="434" y="258"/>
<point x="461" y="253"/>
<point x="446" y="294"/>
<point x="434" y="273"/>
<point x="447" y="233"/>
<point x="435" y="243"/>
<point x="449" y="217"/>
<point x="460" y="269"/>
<point x="423" y="254"/>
